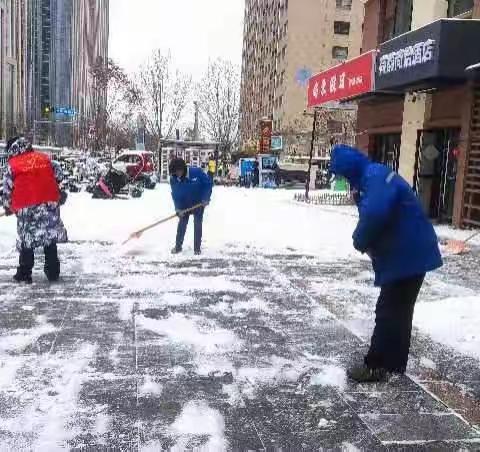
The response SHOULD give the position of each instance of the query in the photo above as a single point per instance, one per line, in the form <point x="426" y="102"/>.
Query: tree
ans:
<point x="219" y="102"/>
<point x="164" y="92"/>
<point x="114" y="100"/>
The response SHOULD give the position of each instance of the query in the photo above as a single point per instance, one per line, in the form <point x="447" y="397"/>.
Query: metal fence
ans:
<point x="326" y="199"/>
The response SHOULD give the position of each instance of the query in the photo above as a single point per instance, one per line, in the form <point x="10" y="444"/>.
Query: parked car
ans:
<point x="138" y="165"/>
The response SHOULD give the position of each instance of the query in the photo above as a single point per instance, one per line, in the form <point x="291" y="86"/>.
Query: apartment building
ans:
<point x="13" y="66"/>
<point x="285" y="43"/>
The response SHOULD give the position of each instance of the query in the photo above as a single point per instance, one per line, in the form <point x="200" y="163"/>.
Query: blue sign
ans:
<point x="67" y="111"/>
<point x="276" y="143"/>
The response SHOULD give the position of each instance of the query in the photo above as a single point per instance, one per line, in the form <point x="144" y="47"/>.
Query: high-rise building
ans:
<point x="13" y="66"/>
<point x="66" y="37"/>
<point x="285" y="42"/>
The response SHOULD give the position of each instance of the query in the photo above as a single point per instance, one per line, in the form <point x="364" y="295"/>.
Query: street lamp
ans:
<point x="312" y="144"/>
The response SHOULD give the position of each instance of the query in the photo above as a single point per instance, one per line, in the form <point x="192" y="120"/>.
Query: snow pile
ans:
<point x="330" y="375"/>
<point x="198" y="419"/>
<point x="453" y="322"/>
<point x="150" y="387"/>
<point x="193" y="332"/>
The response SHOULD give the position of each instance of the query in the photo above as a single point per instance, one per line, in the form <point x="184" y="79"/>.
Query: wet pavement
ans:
<point x="239" y="351"/>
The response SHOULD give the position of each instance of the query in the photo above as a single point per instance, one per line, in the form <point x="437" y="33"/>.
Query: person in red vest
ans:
<point x="31" y="192"/>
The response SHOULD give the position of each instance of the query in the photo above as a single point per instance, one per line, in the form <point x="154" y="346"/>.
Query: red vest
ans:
<point x="34" y="180"/>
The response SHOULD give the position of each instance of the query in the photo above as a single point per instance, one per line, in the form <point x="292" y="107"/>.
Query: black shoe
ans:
<point x="197" y="252"/>
<point x="19" y="278"/>
<point x="176" y="250"/>
<point x="364" y="374"/>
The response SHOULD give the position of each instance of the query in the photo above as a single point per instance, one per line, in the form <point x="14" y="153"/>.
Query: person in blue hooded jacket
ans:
<point x="401" y="242"/>
<point x="190" y="187"/>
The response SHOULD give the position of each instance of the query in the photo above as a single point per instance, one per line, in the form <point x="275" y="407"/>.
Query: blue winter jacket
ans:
<point x="392" y="228"/>
<point x="191" y="190"/>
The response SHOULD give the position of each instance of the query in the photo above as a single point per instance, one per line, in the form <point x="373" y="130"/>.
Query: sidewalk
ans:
<point x="227" y="352"/>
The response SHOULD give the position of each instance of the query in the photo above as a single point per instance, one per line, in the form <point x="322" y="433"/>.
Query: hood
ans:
<point x="348" y="162"/>
<point x="18" y="146"/>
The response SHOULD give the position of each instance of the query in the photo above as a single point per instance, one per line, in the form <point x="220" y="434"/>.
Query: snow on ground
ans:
<point x="453" y="321"/>
<point x="255" y="288"/>
<point x="259" y="220"/>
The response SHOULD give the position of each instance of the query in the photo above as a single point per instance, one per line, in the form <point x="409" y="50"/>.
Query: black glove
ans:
<point x="63" y="197"/>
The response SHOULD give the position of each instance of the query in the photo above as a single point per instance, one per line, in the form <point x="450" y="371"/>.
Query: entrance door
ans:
<point x="436" y="172"/>
<point x="386" y="150"/>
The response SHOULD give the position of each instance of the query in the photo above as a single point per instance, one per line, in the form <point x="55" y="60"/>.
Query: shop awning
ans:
<point x="430" y="57"/>
<point x="350" y="79"/>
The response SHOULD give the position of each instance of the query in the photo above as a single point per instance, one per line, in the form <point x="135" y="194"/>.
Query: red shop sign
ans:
<point x="349" y="79"/>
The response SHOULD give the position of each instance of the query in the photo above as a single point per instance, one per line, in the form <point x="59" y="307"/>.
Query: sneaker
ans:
<point x="22" y="279"/>
<point x="176" y="250"/>
<point x="364" y="374"/>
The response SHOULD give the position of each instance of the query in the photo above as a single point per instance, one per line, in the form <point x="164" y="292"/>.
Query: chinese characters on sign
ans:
<point x="420" y="53"/>
<point x="266" y="126"/>
<point x="349" y="79"/>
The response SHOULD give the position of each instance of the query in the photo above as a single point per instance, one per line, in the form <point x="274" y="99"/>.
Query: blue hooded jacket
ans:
<point x="191" y="190"/>
<point x="392" y="229"/>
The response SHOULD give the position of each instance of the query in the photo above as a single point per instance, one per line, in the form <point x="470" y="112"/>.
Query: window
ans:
<point x="344" y="4"/>
<point x="397" y="18"/>
<point x="341" y="28"/>
<point x="458" y="7"/>
<point x="340" y="53"/>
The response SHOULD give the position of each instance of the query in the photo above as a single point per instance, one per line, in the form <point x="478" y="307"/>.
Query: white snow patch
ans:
<point x="150" y="387"/>
<point x="325" y="424"/>
<point x="20" y="339"/>
<point x="48" y="417"/>
<point x="198" y="419"/>
<point x="427" y="363"/>
<point x="330" y="375"/>
<point x="177" y="283"/>
<point x="452" y="322"/>
<point x="206" y="338"/>
<point x="176" y="299"/>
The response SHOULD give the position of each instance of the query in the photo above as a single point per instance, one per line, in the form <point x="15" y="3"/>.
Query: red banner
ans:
<point x="266" y="126"/>
<point x="349" y="79"/>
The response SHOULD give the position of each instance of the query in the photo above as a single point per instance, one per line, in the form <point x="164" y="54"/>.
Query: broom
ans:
<point x="138" y="234"/>
<point x="459" y="246"/>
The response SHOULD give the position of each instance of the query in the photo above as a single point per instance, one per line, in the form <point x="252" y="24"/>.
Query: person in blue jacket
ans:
<point x="401" y="242"/>
<point x="190" y="187"/>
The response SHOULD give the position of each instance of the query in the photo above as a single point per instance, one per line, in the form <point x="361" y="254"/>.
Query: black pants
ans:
<point x="198" y="229"/>
<point x="393" y="325"/>
<point x="52" y="264"/>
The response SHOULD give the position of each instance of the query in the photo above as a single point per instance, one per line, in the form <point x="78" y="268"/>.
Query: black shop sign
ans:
<point x="429" y="57"/>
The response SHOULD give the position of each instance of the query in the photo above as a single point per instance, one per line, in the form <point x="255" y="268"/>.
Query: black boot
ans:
<point x="25" y="267"/>
<point x="52" y="264"/>
<point x="19" y="277"/>
<point x="364" y="374"/>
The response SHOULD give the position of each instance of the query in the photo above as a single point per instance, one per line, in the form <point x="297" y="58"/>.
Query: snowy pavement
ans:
<point x="244" y="348"/>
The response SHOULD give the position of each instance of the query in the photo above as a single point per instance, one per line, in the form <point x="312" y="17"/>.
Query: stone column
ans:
<point x="417" y="108"/>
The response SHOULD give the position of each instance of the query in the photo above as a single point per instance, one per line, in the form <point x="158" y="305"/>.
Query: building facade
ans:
<point x="13" y="67"/>
<point x="65" y="39"/>
<point x="285" y="43"/>
<point x="426" y="128"/>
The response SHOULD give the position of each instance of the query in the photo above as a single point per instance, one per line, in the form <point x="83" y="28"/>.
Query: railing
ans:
<point x="326" y="199"/>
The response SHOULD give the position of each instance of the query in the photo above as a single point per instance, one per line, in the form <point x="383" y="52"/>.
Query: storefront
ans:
<point x="418" y="118"/>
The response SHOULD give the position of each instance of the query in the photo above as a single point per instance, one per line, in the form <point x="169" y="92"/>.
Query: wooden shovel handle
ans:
<point x="138" y="233"/>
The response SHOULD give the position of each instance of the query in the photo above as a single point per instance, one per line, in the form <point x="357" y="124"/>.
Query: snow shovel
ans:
<point x="460" y="246"/>
<point x="138" y="234"/>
